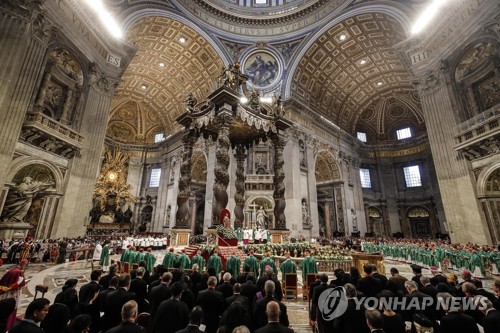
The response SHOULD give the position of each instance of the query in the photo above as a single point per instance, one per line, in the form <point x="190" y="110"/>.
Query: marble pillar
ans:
<point x="84" y="168"/>
<point x="209" y="193"/>
<point x="465" y="219"/>
<point x="23" y="44"/>
<point x="239" y="197"/>
<point x="279" y="183"/>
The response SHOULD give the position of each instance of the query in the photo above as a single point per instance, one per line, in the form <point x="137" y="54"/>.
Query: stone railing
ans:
<point x="45" y="123"/>
<point x="481" y="126"/>
<point x="259" y="178"/>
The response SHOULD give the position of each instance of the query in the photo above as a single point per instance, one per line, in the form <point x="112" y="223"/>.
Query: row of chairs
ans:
<point x="290" y="284"/>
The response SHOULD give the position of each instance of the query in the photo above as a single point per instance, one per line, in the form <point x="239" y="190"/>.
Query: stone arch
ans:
<point x="474" y="75"/>
<point x="27" y="161"/>
<point x="249" y="210"/>
<point x="419" y="219"/>
<point x="486" y="181"/>
<point x="326" y="168"/>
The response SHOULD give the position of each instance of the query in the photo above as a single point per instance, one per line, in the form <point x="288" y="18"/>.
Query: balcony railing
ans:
<point x="481" y="126"/>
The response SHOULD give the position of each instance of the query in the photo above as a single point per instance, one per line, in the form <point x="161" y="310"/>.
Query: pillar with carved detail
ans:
<point x="182" y="216"/>
<point x="221" y="198"/>
<point x="279" y="183"/>
<point x="239" y="197"/>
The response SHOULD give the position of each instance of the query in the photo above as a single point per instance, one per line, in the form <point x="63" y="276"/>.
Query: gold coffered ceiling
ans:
<point x="349" y="72"/>
<point x="158" y="79"/>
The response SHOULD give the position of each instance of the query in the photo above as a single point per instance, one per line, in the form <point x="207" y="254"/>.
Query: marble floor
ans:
<point x="54" y="276"/>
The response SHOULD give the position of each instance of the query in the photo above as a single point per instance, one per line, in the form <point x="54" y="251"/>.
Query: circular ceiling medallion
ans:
<point x="262" y="68"/>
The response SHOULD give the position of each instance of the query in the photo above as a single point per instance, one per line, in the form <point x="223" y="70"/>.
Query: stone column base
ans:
<point x="14" y="230"/>
<point x="180" y="237"/>
<point x="280" y="236"/>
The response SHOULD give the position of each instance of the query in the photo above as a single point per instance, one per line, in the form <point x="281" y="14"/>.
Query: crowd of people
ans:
<point x="425" y="304"/>
<point x="188" y="294"/>
<point x="168" y="299"/>
<point x="475" y="258"/>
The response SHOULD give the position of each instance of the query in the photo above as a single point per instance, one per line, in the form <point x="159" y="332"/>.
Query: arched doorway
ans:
<point x="376" y="225"/>
<point x="252" y="206"/>
<point x="489" y="196"/>
<point x="419" y="219"/>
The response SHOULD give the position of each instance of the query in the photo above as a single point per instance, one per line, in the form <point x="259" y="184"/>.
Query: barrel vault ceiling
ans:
<point x="357" y="81"/>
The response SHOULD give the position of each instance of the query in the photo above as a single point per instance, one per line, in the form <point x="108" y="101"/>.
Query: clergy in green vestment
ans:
<point x="131" y="256"/>
<point x="253" y="263"/>
<point x="169" y="259"/>
<point x="139" y="256"/>
<point x="288" y="266"/>
<point x="239" y="235"/>
<point x="150" y="260"/>
<point x="125" y="254"/>
<point x="198" y="259"/>
<point x="267" y="261"/>
<point x="215" y="262"/>
<point x="233" y="266"/>
<point x="183" y="261"/>
<point x="308" y="266"/>
<point x="104" y="260"/>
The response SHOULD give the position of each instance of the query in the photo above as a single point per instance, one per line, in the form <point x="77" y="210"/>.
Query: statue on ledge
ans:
<point x="19" y="199"/>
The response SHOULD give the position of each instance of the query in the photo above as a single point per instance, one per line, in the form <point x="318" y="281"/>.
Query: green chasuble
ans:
<point x="124" y="257"/>
<point x="267" y="261"/>
<point x="239" y="234"/>
<point x="104" y="260"/>
<point x="253" y="263"/>
<point x="131" y="257"/>
<point x="184" y="262"/>
<point x="308" y="267"/>
<point x="233" y="266"/>
<point x="215" y="262"/>
<point x="168" y="260"/>
<point x="198" y="259"/>
<point x="139" y="256"/>
<point x="288" y="266"/>
<point x="150" y="260"/>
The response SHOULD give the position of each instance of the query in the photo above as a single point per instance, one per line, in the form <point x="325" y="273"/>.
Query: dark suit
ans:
<point x="427" y="311"/>
<point x="491" y="322"/>
<point x="25" y="327"/>
<point x="259" y="312"/>
<point x="352" y="321"/>
<point x="102" y="296"/>
<point x="172" y="315"/>
<point x="278" y="292"/>
<point x="456" y="322"/>
<point x="249" y="290"/>
<point x="369" y="286"/>
<point x="113" y="307"/>
<point x="86" y="289"/>
<point x="140" y="288"/>
<point x="237" y="298"/>
<point x="274" y="328"/>
<point x="429" y="290"/>
<point x="382" y="279"/>
<point x="225" y="288"/>
<point x="127" y="327"/>
<point x="213" y="306"/>
<point x="311" y="288"/>
<point x="190" y="329"/>
<point x="104" y="281"/>
<point x="439" y="278"/>
<point x="323" y="326"/>
<point x="157" y="295"/>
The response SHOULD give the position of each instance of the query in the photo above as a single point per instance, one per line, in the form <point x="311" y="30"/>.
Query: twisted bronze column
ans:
<point x="181" y="217"/>
<point x="279" y="182"/>
<point x="239" y="197"/>
<point x="223" y="120"/>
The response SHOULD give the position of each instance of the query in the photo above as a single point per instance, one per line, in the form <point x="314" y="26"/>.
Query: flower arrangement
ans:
<point x="226" y="233"/>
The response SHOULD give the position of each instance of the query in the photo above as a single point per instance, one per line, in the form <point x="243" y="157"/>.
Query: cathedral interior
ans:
<point x="314" y="117"/>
